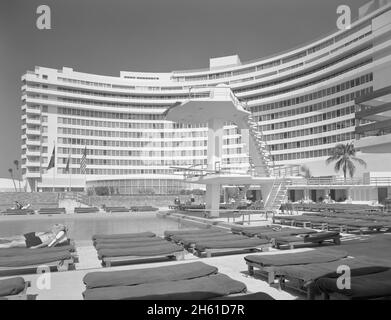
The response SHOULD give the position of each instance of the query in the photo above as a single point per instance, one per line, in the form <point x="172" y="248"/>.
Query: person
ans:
<point x="17" y="206"/>
<point x="34" y="240"/>
<point x="177" y="201"/>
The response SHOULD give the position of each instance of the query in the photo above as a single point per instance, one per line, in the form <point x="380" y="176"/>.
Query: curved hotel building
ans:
<point x="303" y="102"/>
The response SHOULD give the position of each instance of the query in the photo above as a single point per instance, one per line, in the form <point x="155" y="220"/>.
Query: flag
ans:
<point x="68" y="163"/>
<point x="52" y="162"/>
<point x="83" y="161"/>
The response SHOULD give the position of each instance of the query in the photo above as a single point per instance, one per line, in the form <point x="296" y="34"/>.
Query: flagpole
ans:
<point x="54" y="167"/>
<point x="85" y="171"/>
<point x="69" y="169"/>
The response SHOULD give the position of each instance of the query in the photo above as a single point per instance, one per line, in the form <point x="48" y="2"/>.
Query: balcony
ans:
<point x="33" y="132"/>
<point x="33" y="142"/>
<point x="33" y="174"/>
<point x="33" y="121"/>
<point x="33" y="153"/>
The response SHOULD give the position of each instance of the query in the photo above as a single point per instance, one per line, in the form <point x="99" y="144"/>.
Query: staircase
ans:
<point x="277" y="194"/>
<point x="260" y="158"/>
<point x="262" y="164"/>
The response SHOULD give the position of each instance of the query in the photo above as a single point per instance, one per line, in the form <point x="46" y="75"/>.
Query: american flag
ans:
<point x="83" y="161"/>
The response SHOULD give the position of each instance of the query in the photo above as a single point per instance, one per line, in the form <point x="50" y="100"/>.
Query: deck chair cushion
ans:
<point x="38" y="259"/>
<point x="164" y="249"/>
<point x="129" y="244"/>
<point x="371" y="286"/>
<point x="309" y="238"/>
<point x="285" y="259"/>
<point x="251" y="296"/>
<point x="123" y="235"/>
<point x="226" y="244"/>
<point x="12" y="286"/>
<point x="195" y="289"/>
<point x="25" y="251"/>
<point x="312" y="272"/>
<point x="148" y="275"/>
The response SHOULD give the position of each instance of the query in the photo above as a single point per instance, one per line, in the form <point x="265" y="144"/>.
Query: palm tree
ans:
<point x="12" y="176"/>
<point x="345" y="155"/>
<point x="305" y="172"/>
<point x="16" y="163"/>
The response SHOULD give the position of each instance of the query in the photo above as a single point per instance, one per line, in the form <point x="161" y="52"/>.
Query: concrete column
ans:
<point x="306" y="194"/>
<point x="349" y="194"/>
<point x="225" y="195"/>
<point x="213" y="199"/>
<point x="215" y="142"/>
<point x="245" y="133"/>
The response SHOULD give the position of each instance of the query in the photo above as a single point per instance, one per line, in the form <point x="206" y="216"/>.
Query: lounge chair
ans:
<point x="143" y="209"/>
<point x="177" y="233"/>
<point x="267" y="264"/>
<point x="14" y="289"/>
<point x="226" y="247"/>
<point x="18" y="212"/>
<point x="129" y="244"/>
<point x="138" y="254"/>
<point x="86" y="210"/>
<point x="149" y="275"/>
<point x="123" y="235"/>
<point x="195" y="289"/>
<point x="317" y="238"/>
<point x="11" y="252"/>
<point x="303" y="277"/>
<point x="251" y="296"/>
<point x="363" y="287"/>
<point x="116" y="209"/>
<point x="52" y="211"/>
<point x="253" y="231"/>
<point x="285" y="232"/>
<point x="58" y="260"/>
<point x="191" y="241"/>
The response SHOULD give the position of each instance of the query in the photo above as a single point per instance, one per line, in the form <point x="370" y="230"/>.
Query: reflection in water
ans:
<point x="82" y="227"/>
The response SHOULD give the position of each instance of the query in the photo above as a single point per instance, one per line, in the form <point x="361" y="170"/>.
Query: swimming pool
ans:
<point x="83" y="226"/>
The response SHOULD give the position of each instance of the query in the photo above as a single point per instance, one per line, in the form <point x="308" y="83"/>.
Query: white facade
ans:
<point x="303" y="102"/>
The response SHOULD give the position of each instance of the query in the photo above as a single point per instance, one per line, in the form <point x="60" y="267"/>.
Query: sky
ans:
<point x="106" y="37"/>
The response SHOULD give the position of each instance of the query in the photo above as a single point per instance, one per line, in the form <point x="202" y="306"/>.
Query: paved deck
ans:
<point x="69" y="285"/>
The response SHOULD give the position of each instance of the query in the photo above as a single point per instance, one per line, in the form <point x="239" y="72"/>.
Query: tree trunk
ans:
<point x="13" y="180"/>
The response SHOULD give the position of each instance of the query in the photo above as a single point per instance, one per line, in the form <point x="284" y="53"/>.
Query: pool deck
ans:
<point x="69" y="285"/>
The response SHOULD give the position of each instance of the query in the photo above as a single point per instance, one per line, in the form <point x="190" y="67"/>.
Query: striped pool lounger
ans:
<point x="14" y="289"/>
<point x="362" y="287"/>
<point x="268" y="263"/>
<point x="303" y="277"/>
<point x="213" y="286"/>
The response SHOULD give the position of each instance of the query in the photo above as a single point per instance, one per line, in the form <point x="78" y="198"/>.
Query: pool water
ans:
<point x="83" y="226"/>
